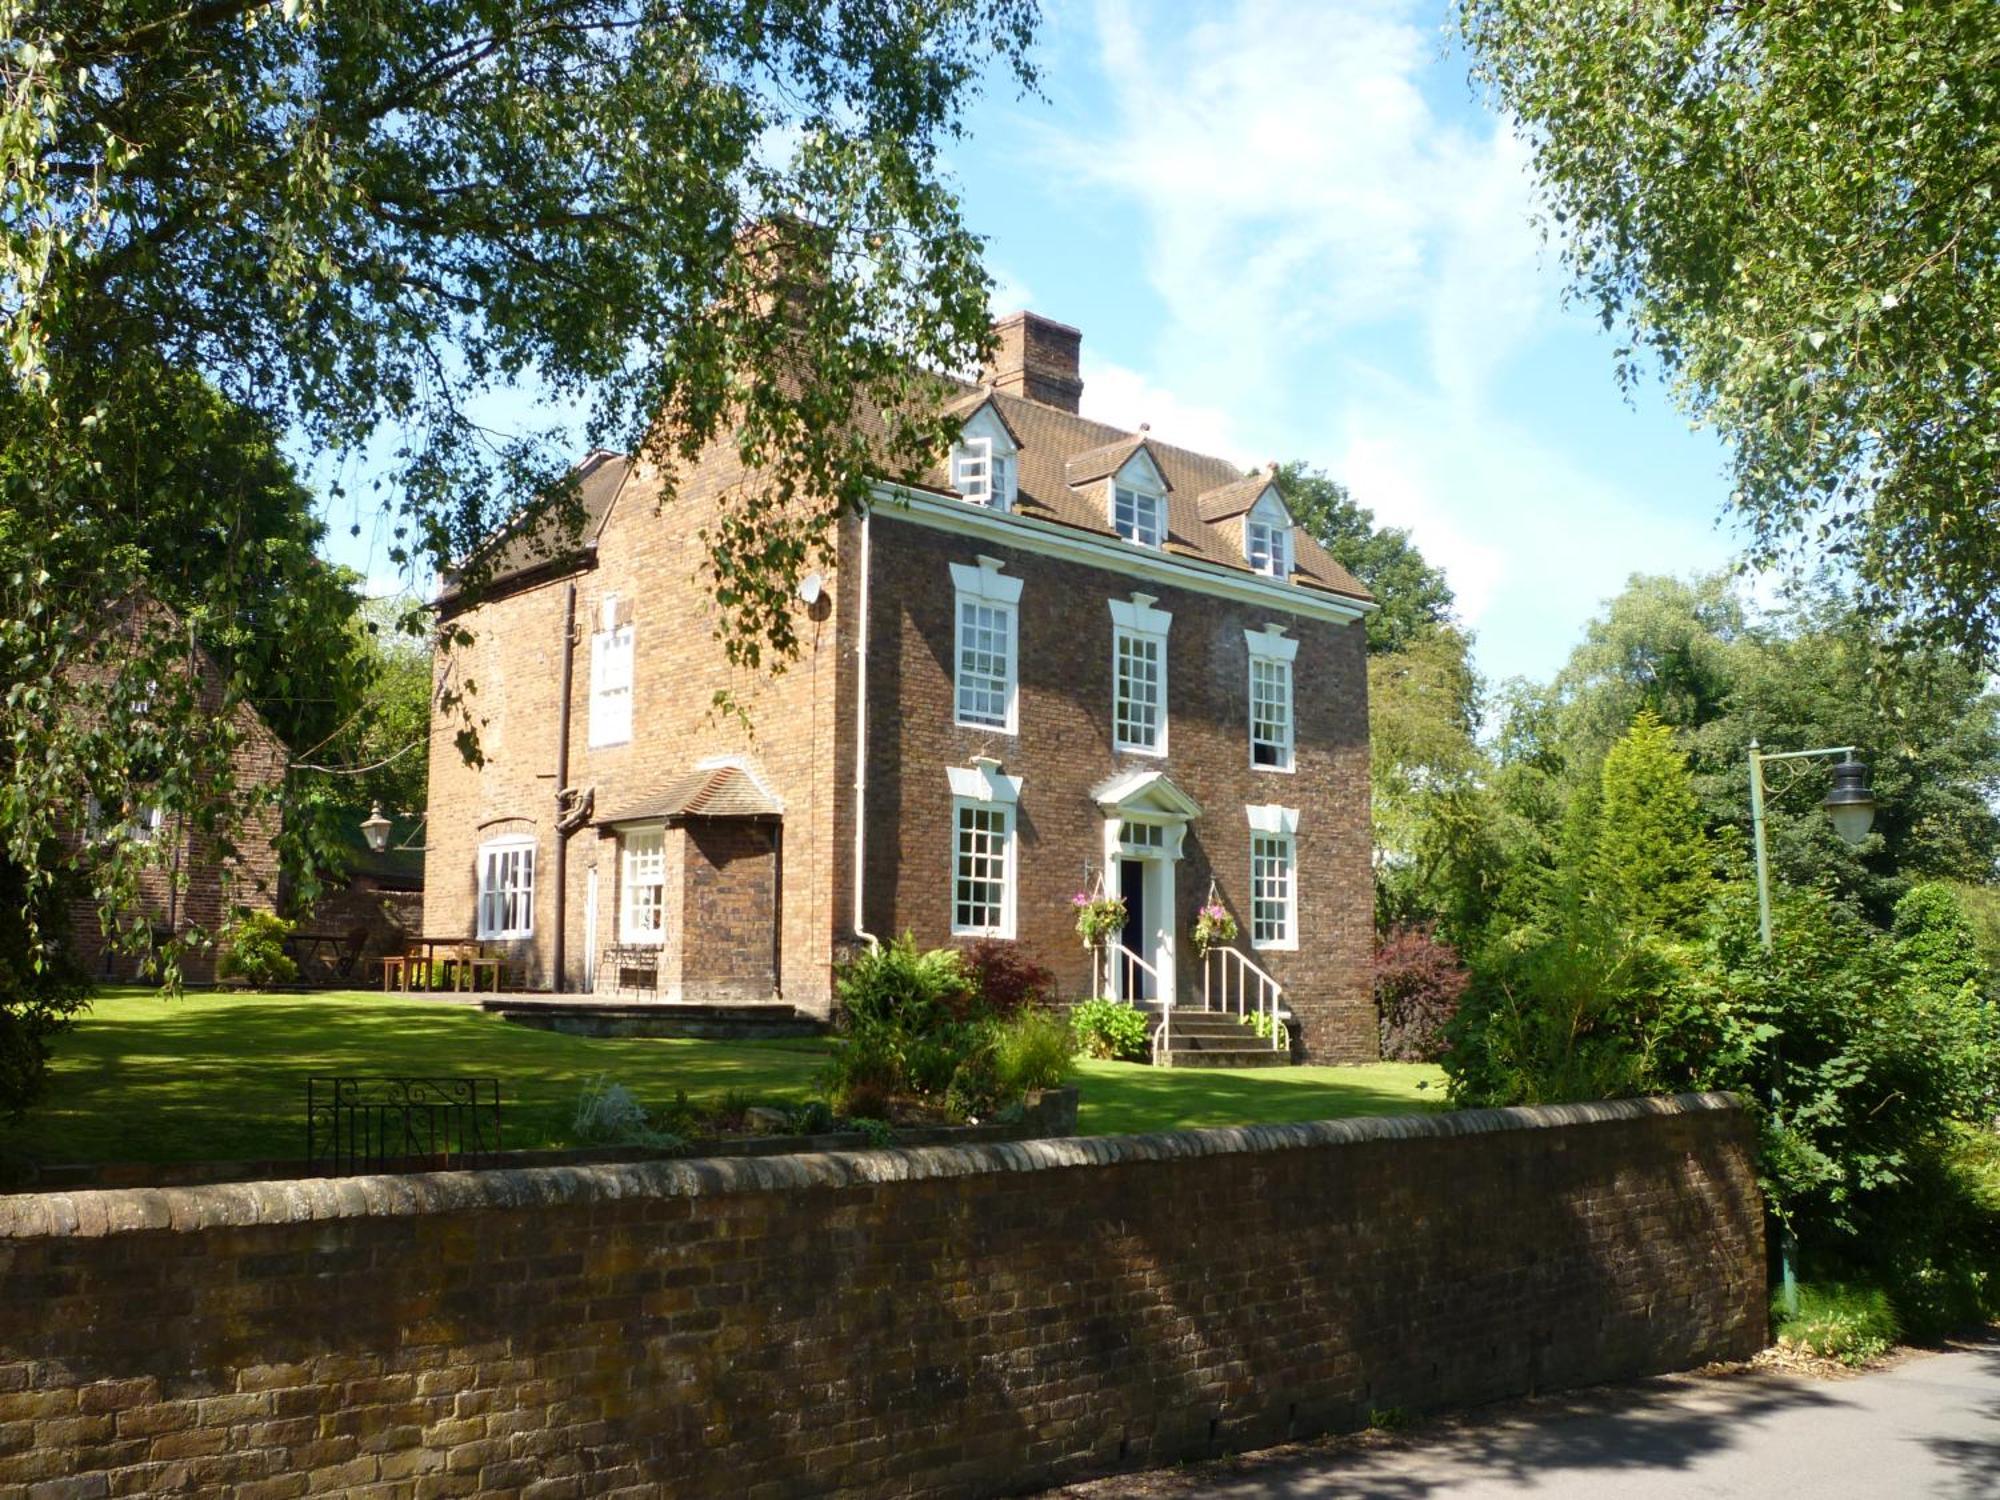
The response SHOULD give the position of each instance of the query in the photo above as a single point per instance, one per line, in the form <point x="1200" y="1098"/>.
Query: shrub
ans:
<point x="1006" y="977"/>
<point x="976" y="1091"/>
<point x="865" y="1072"/>
<point x="253" y="949"/>
<point x="1107" y="1028"/>
<point x="811" y="1118"/>
<point x="1852" y="1324"/>
<point x="894" y="984"/>
<point x="1261" y="1022"/>
<point x="609" y="1115"/>
<point x="1034" y="1050"/>
<point x="1419" y="982"/>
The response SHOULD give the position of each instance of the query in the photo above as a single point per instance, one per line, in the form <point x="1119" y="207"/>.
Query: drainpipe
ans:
<point x="562" y="781"/>
<point x="861" y="746"/>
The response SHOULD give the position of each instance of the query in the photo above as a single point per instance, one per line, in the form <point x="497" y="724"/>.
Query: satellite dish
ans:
<point x="811" y="587"/>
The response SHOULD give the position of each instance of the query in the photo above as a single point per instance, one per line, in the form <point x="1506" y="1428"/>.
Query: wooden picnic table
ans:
<point x="439" y="963"/>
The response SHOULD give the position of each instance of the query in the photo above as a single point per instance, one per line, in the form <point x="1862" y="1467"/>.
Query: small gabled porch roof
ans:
<point x="711" y="791"/>
<point x="1143" y="792"/>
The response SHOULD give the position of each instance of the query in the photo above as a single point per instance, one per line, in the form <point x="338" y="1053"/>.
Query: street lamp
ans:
<point x="375" y="828"/>
<point x="1851" y="807"/>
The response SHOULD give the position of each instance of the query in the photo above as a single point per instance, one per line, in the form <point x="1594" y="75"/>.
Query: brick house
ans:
<point x="1072" y="656"/>
<point x="188" y="881"/>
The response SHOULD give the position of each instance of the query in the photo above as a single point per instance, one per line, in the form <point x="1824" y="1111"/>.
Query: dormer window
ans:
<point x="983" y="468"/>
<point x="1267" y="537"/>
<point x="972" y="470"/>
<point x="1138" y="516"/>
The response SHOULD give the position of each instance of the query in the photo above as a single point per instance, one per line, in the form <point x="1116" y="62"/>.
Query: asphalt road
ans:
<point x="1927" y="1429"/>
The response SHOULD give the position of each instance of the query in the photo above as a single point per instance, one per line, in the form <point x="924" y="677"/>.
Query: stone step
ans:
<point x="1201" y="1020"/>
<point x="1182" y="1028"/>
<point x="1259" y="1056"/>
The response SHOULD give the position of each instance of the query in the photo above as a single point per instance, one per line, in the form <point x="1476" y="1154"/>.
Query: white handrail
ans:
<point x="1268" y="993"/>
<point x="1129" y="967"/>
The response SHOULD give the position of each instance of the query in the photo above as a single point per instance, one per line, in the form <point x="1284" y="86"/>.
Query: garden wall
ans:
<point x="939" y="1321"/>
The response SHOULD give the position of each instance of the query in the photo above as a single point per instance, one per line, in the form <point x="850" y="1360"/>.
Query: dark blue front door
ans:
<point x="1132" y="886"/>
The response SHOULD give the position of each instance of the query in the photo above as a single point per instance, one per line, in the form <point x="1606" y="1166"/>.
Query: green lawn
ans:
<point x="222" y="1077"/>
<point x="1121" y="1097"/>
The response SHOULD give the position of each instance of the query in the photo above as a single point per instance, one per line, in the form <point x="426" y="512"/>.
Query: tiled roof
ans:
<point x="1234" y="498"/>
<point x="713" y="792"/>
<point x="1103" y="462"/>
<point x="1062" y="461"/>
<point x="599" y="478"/>
<point x="1058" y="447"/>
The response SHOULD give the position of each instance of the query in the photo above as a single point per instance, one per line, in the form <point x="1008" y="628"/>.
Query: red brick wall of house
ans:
<point x="652" y="556"/>
<point x="729" y="890"/>
<point x="800" y="737"/>
<point x="1064" y="748"/>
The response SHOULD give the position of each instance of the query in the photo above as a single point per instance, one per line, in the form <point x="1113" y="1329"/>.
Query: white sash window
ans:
<point x="507" y="888"/>
<point x="611" y="676"/>
<point x="643" y="879"/>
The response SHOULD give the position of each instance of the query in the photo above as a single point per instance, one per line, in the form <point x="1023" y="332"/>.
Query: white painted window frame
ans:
<point x="1267" y="537"/>
<point x="1146" y="502"/>
<point x="633" y="876"/>
<point x="1137" y="621"/>
<point x="983" y="464"/>
<point x="1273" y="648"/>
<point x="1274" y="835"/>
<point x="972" y="469"/>
<point x="612" y="660"/>
<point x="982" y="788"/>
<point x="493" y="896"/>
<point x="986" y="586"/>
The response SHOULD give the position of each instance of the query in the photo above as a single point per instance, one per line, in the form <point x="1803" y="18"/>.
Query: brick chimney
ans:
<point x="1036" y="359"/>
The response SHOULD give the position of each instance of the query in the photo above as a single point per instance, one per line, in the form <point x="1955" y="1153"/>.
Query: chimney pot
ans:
<point x="1037" y="360"/>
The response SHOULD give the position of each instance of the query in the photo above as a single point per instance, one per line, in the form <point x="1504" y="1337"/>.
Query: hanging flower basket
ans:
<point x="1098" y="917"/>
<point x="1213" y="927"/>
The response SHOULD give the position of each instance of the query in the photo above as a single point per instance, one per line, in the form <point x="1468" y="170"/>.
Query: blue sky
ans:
<point x="1288" y="230"/>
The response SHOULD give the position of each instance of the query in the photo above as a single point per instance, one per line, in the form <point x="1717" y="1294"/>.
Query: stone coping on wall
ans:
<point x="116" y="1211"/>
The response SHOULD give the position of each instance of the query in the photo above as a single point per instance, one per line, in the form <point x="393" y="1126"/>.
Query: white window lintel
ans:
<point x="1271" y="818"/>
<point x="983" y="781"/>
<point x="1271" y="642"/>
<point x="1138" y="614"/>
<point x="986" y="581"/>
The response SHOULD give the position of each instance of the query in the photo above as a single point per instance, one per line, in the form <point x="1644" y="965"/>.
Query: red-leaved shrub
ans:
<point x="1418" y="984"/>
<point x="1007" y="977"/>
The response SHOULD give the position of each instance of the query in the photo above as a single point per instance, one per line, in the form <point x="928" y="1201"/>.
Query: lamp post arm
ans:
<point x="1821" y="754"/>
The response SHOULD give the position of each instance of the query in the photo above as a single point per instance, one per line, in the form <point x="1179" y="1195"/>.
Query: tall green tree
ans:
<point x="1792" y="211"/>
<point x="1413" y="596"/>
<point x="1651" y="862"/>
<point x="1435" y="859"/>
<point x="350" y="220"/>
<point x="1815" y="671"/>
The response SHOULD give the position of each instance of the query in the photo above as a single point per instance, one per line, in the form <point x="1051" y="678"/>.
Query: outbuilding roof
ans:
<point x="727" y="791"/>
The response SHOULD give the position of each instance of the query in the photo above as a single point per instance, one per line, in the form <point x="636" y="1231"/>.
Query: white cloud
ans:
<point x="1296" y="183"/>
<point x="1344" y="271"/>
<point x="1531" y="541"/>
<point x="1125" y="398"/>
<point x="1010" y="294"/>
